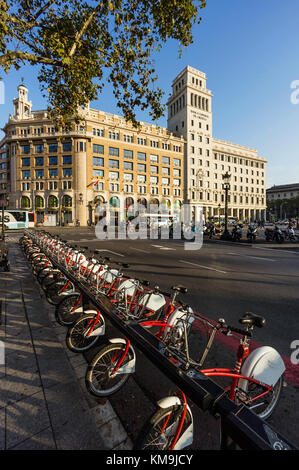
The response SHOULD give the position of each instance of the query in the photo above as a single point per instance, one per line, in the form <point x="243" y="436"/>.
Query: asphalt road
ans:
<point x="223" y="280"/>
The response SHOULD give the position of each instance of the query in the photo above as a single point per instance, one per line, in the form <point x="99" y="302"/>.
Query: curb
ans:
<point x="110" y="428"/>
<point x="112" y="433"/>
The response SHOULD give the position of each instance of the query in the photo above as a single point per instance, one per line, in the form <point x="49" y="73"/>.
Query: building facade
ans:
<point x="68" y="176"/>
<point x="4" y="175"/>
<point x="207" y="158"/>
<point x="283" y="191"/>
<point x="283" y="201"/>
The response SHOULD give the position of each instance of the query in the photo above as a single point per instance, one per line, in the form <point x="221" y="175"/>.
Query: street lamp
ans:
<point x="219" y="206"/>
<point x="80" y="201"/>
<point x="226" y="187"/>
<point x="6" y="207"/>
<point x="3" y="236"/>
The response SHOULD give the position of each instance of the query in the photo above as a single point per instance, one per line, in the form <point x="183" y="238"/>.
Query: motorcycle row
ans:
<point x="275" y="234"/>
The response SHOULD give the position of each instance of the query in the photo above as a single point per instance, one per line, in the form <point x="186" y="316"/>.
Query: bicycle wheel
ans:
<point x="100" y="379"/>
<point x="69" y="309"/>
<point x="54" y="293"/>
<point x="39" y="267"/>
<point x="265" y="405"/>
<point x="43" y="273"/>
<point x="77" y="339"/>
<point x="159" y="432"/>
<point x="51" y="278"/>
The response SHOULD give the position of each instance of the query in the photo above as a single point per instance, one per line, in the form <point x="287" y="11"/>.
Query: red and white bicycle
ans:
<point x="255" y="381"/>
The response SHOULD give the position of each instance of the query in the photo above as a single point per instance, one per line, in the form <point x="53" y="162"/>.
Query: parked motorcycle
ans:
<point x="274" y="235"/>
<point x="236" y="233"/>
<point x="252" y="233"/>
<point x="211" y="230"/>
<point x="290" y="234"/>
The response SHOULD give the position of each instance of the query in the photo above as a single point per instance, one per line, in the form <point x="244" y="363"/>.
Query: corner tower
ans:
<point x="190" y="115"/>
<point x="22" y="107"/>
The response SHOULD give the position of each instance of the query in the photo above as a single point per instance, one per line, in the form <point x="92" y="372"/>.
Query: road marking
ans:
<point x="109" y="251"/>
<point x="138" y="249"/>
<point x="286" y="250"/>
<point x="249" y="256"/>
<point x="201" y="266"/>
<point x="163" y="247"/>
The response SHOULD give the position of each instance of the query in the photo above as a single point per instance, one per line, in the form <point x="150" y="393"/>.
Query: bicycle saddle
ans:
<point x="251" y="319"/>
<point x="181" y="289"/>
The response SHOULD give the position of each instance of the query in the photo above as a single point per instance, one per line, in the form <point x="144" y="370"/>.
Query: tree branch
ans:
<point x="11" y="56"/>
<point x="83" y="29"/>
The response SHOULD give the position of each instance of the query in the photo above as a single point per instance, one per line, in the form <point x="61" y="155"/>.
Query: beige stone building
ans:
<point x="103" y="162"/>
<point x="207" y="158"/>
<point x="106" y="162"/>
<point x="4" y="172"/>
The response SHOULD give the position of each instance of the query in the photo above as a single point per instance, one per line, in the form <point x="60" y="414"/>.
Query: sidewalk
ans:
<point x="43" y="401"/>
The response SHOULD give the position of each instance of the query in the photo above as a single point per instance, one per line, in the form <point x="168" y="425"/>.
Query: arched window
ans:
<point x="99" y="200"/>
<point x="129" y="201"/>
<point x="177" y="204"/>
<point x="166" y="205"/>
<point x="100" y="207"/>
<point x="25" y="202"/>
<point x="39" y="202"/>
<point x="142" y="201"/>
<point x="114" y="202"/>
<point x="67" y="201"/>
<point x="52" y="202"/>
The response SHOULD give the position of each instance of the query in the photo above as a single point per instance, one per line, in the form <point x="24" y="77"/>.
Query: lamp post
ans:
<point x="219" y="206"/>
<point x="80" y="203"/>
<point x="226" y="187"/>
<point x="7" y="202"/>
<point x="3" y="237"/>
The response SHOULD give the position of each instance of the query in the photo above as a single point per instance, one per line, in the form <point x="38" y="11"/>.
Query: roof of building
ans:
<point x="283" y="187"/>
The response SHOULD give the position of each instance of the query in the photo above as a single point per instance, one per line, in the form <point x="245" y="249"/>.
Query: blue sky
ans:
<point x="249" y="50"/>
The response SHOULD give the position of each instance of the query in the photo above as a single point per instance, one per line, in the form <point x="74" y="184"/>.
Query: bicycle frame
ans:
<point x="242" y="354"/>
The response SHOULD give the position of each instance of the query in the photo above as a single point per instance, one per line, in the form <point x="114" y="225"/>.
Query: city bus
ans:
<point x="17" y="219"/>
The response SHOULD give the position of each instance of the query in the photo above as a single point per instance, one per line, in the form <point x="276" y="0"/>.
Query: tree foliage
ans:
<point x="287" y="206"/>
<point x="79" y="45"/>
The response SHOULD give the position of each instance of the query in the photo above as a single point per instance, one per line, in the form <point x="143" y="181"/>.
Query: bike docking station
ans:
<point x="240" y="427"/>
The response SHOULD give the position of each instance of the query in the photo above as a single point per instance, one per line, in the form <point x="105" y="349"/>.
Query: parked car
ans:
<point x="241" y="223"/>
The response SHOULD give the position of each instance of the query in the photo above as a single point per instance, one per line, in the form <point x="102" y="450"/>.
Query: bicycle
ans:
<point x="256" y="381"/>
<point x="112" y="365"/>
<point x="86" y="330"/>
<point x="70" y="308"/>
